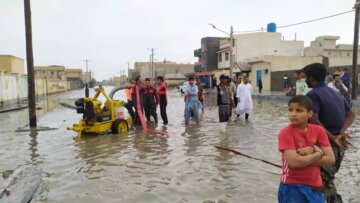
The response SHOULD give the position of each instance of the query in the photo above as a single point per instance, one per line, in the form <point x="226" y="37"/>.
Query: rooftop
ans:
<point x="52" y="67"/>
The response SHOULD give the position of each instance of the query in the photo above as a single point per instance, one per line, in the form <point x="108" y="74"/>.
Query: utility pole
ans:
<point x="355" y="51"/>
<point x="30" y="64"/>
<point x="128" y="70"/>
<point x="231" y="50"/>
<point x="87" y="71"/>
<point x="152" y="64"/>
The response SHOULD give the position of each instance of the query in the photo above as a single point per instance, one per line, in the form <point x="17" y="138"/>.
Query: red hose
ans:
<point x="141" y="116"/>
<point x="248" y="156"/>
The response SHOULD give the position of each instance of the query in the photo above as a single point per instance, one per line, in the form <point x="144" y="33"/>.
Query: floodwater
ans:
<point x="144" y="167"/>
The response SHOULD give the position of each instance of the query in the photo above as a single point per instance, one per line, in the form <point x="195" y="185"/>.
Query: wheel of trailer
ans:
<point x="119" y="125"/>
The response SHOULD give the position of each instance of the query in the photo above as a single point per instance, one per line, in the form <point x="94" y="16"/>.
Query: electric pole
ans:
<point x="355" y="52"/>
<point x="87" y="71"/>
<point x="30" y="64"/>
<point x="152" y="64"/>
<point x="128" y="71"/>
<point x="231" y="50"/>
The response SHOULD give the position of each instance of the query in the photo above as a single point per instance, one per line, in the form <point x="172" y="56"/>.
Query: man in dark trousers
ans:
<point x="162" y="98"/>
<point x="137" y="87"/>
<point x="150" y="101"/>
<point x="333" y="113"/>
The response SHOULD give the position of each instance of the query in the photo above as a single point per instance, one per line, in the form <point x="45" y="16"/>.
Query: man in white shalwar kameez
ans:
<point x="243" y="94"/>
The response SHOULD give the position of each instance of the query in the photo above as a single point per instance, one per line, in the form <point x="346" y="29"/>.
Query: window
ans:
<point x="226" y="56"/>
<point x="220" y="57"/>
<point x="52" y="72"/>
<point x="348" y="54"/>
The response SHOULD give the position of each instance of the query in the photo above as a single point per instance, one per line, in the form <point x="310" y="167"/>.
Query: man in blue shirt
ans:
<point x="346" y="78"/>
<point x="332" y="112"/>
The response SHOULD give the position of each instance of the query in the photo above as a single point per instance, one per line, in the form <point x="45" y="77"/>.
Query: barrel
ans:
<point x="271" y="27"/>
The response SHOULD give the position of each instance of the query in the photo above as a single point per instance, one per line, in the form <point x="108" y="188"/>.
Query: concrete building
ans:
<point x="258" y="44"/>
<point x="208" y="58"/>
<point x="223" y="54"/>
<point x="133" y="73"/>
<point x="251" y="46"/>
<point x="11" y="64"/>
<point x="272" y="69"/>
<point x="75" y="78"/>
<point x="338" y="54"/>
<point x="172" y="72"/>
<point x="54" y="71"/>
<point x="120" y="80"/>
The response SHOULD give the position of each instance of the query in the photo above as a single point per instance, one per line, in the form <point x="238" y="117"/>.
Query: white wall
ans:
<point x="265" y="43"/>
<point x="279" y="63"/>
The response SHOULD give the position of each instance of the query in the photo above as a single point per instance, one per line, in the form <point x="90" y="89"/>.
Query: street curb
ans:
<point x="14" y="109"/>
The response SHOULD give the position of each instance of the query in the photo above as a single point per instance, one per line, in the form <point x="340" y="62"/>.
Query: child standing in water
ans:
<point x="304" y="148"/>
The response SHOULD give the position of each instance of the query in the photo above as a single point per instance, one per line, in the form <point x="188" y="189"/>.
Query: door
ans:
<point x="258" y="75"/>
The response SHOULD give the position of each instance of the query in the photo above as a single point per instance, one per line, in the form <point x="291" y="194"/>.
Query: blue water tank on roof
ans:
<point x="271" y="27"/>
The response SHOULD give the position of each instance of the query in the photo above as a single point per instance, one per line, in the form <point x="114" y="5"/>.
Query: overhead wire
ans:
<point x="299" y="23"/>
<point x="197" y="20"/>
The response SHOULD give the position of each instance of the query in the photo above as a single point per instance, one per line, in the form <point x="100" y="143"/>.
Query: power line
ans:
<point x="299" y="23"/>
<point x="197" y="20"/>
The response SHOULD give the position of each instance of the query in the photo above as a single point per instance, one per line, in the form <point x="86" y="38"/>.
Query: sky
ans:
<point x="111" y="33"/>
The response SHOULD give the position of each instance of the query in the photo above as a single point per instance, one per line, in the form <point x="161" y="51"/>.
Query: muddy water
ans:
<point x="143" y="167"/>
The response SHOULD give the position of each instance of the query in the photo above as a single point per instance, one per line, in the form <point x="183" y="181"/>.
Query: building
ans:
<point x="54" y="72"/>
<point x="172" y="72"/>
<point x="75" y="78"/>
<point x="272" y="69"/>
<point x="223" y="54"/>
<point x="119" y="80"/>
<point x="207" y="58"/>
<point x="338" y="54"/>
<point x="258" y="44"/>
<point x="11" y="64"/>
<point x="249" y="47"/>
<point x="132" y="73"/>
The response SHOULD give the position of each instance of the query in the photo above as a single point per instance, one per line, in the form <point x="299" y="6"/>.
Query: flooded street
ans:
<point x="144" y="167"/>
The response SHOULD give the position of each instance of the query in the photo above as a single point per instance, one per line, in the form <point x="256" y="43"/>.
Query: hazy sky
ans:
<point x="113" y="32"/>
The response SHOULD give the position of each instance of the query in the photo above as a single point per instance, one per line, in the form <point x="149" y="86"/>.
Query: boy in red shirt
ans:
<point x="304" y="148"/>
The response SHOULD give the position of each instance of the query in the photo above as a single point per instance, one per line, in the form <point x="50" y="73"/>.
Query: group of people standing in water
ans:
<point x="232" y="95"/>
<point x="312" y="145"/>
<point x="142" y="96"/>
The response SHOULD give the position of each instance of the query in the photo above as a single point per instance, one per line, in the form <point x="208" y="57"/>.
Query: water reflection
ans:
<point x="97" y="152"/>
<point x="33" y="147"/>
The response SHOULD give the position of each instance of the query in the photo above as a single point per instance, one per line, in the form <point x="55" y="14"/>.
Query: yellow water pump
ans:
<point x="100" y="118"/>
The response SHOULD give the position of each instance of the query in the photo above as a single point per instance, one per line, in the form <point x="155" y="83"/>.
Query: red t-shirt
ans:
<point x="291" y="138"/>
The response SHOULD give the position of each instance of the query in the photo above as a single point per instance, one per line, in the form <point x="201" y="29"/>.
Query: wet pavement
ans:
<point x="144" y="167"/>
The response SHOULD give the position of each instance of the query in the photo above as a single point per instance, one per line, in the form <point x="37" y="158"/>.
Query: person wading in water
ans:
<point x="224" y="101"/>
<point x="162" y="98"/>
